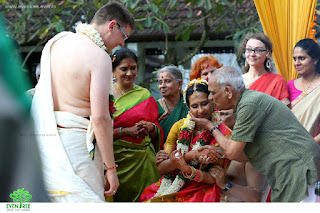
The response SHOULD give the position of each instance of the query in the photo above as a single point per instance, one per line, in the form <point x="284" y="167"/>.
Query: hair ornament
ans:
<point x="114" y="58"/>
<point x="193" y="83"/>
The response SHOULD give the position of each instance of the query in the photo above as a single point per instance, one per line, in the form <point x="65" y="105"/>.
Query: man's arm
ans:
<point x="102" y="124"/>
<point x="232" y="149"/>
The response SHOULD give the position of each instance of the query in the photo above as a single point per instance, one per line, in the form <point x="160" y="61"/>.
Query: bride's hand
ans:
<point x="178" y="160"/>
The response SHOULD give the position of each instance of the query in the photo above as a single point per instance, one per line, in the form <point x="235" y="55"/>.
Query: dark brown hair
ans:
<point x="114" y="10"/>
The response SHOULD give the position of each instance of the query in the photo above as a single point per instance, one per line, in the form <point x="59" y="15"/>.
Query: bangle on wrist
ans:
<point x="155" y="128"/>
<point x="120" y="132"/>
<point x="109" y="168"/>
<point x="192" y="175"/>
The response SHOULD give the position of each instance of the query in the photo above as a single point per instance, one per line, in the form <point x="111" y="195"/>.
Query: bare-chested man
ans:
<point x="72" y="102"/>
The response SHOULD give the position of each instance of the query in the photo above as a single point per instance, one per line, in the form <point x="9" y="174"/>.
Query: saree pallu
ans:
<point x="167" y="119"/>
<point x="307" y="110"/>
<point x="135" y="157"/>
<point x="272" y="84"/>
<point x="192" y="191"/>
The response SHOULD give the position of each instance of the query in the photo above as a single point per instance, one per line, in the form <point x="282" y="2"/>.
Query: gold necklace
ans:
<point x="304" y="92"/>
<point x="119" y="89"/>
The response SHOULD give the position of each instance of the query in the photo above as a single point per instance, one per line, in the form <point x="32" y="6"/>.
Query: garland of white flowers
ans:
<point x="94" y="35"/>
<point x="88" y="30"/>
<point x="168" y="185"/>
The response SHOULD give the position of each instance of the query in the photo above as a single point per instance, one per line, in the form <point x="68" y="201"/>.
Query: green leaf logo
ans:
<point x="20" y="195"/>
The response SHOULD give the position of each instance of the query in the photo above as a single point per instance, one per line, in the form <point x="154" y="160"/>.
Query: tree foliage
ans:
<point x="35" y="22"/>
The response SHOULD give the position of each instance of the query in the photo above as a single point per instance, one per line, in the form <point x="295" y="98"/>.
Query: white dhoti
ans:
<point x="70" y="174"/>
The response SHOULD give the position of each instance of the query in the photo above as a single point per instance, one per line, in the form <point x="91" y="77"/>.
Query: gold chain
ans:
<point x="119" y="89"/>
<point x="304" y="93"/>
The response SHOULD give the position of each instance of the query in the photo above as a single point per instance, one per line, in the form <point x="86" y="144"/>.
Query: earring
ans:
<point x="268" y="64"/>
<point x="246" y="63"/>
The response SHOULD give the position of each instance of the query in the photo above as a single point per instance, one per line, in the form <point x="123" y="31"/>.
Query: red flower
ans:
<point x="185" y="135"/>
<point x="206" y="136"/>
<point x="112" y="109"/>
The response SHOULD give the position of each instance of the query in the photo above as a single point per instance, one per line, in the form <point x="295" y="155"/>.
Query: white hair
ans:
<point x="174" y="71"/>
<point x="228" y="76"/>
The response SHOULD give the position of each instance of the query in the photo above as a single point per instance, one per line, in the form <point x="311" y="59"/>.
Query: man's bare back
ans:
<point x="72" y="60"/>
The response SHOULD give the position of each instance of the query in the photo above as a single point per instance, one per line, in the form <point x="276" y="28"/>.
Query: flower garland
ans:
<point x="174" y="181"/>
<point x="94" y="35"/>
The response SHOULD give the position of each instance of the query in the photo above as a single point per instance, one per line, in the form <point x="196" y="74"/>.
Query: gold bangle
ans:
<point x="193" y="173"/>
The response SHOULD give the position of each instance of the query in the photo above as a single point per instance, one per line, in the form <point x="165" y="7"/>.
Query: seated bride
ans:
<point x="186" y="173"/>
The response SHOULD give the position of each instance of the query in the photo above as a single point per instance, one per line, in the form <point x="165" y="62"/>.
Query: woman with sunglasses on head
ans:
<point x="137" y="134"/>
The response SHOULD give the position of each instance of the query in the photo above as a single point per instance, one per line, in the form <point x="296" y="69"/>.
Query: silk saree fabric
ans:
<point x="192" y="191"/>
<point x="135" y="157"/>
<point x="307" y="110"/>
<point x="167" y="119"/>
<point x="272" y="84"/>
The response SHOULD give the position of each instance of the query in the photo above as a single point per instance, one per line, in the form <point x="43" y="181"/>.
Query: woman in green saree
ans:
<point x="137" y="134"/>
<point x="171" y="106"/>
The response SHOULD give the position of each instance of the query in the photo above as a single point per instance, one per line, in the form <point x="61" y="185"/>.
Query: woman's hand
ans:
<point x="147" y="126"/>
<point x="202" y="123"/>
<point x="178" y="161"/>
<point x="206" y="156"/>
<point x="218" y="173"/>
<point x="134" y="131"/>
<point x="161" y="156"/>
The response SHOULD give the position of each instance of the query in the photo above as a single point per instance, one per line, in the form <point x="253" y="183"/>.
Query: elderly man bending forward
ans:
<point x="268" y="135"/>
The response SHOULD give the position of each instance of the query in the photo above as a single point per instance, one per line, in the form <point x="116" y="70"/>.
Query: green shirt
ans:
<point x="278" y="146"/>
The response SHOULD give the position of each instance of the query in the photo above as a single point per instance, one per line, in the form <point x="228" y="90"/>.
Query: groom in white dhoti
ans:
<point x="71" y="108"/>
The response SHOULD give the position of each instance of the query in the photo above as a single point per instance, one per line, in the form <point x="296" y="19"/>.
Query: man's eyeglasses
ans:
<point x="255" y="51"/>
<point x="125" y="35"/>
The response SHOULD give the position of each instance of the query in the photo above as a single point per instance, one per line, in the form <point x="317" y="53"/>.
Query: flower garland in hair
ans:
<point x="89" y="31"/>
<point x="174" y="181"/>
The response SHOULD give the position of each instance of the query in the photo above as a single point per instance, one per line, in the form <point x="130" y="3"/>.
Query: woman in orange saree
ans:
<point x="184" y="178"/>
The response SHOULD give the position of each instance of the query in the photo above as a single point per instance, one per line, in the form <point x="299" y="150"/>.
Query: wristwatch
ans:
<point x="214" y="128"/>
<point x="228" y="186"/>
